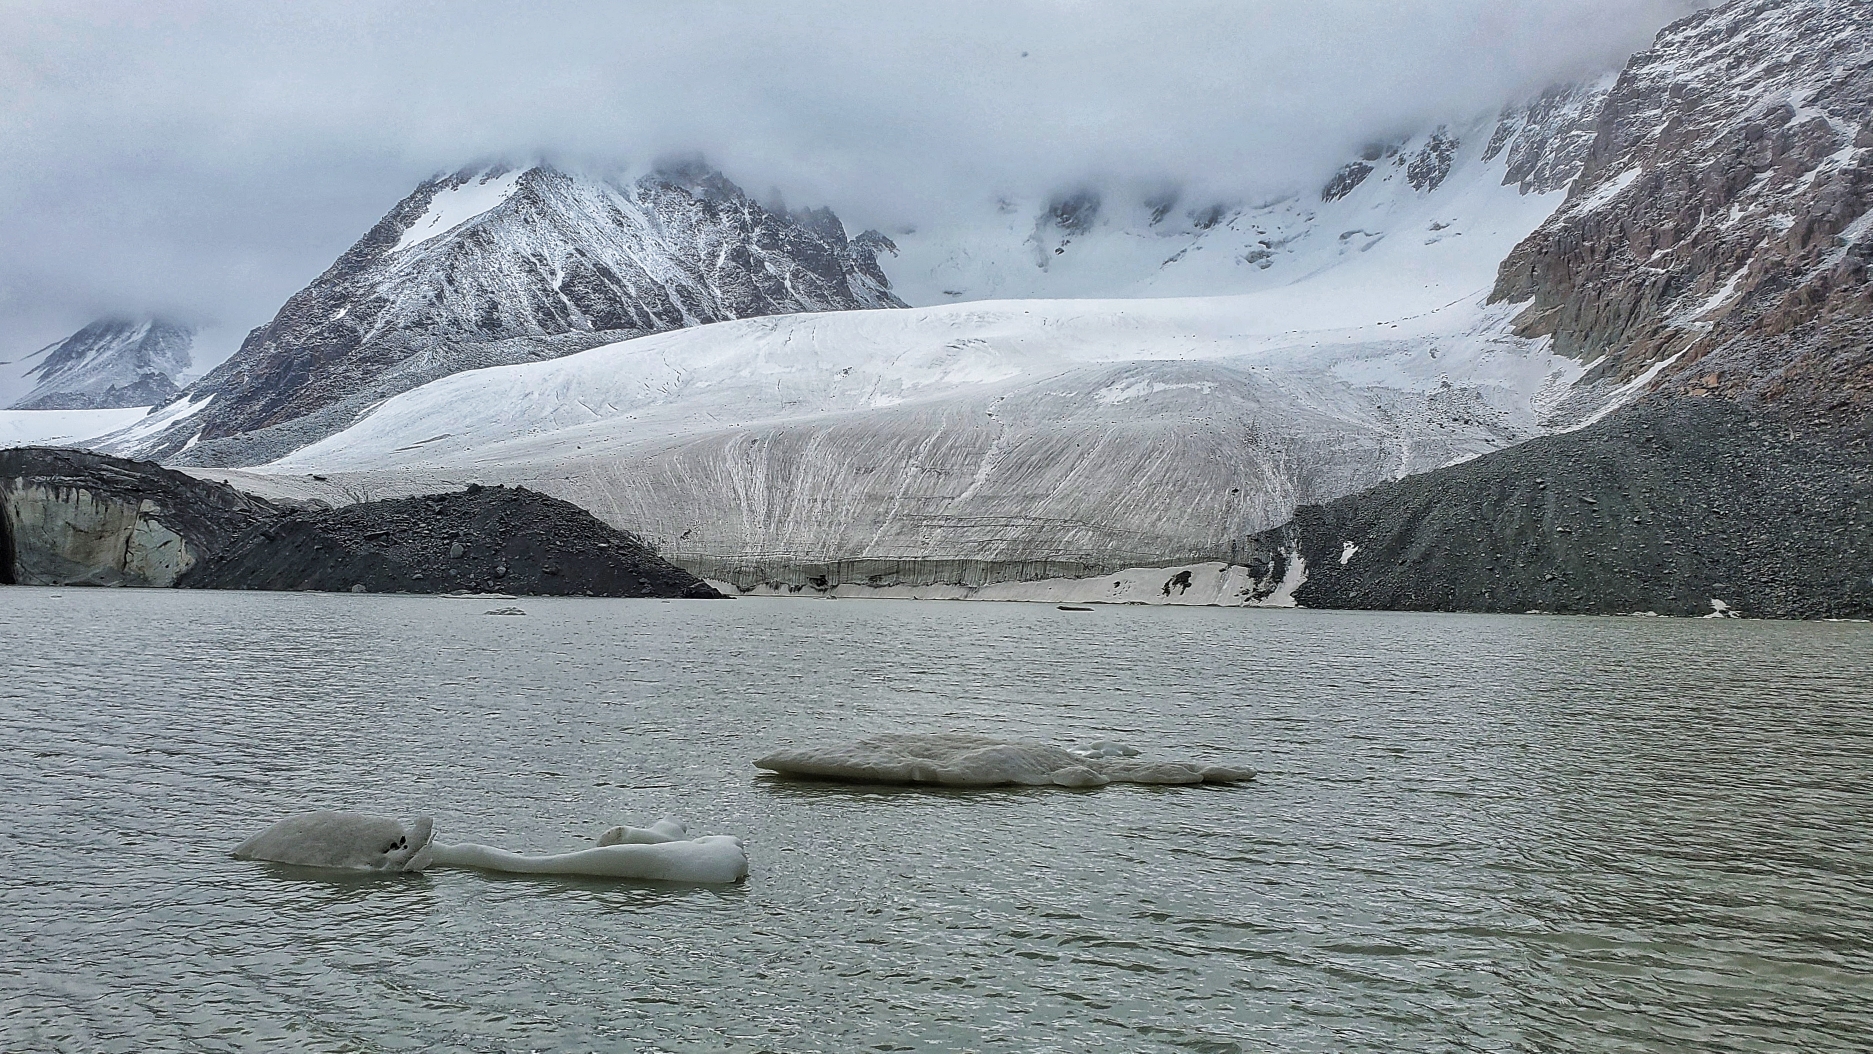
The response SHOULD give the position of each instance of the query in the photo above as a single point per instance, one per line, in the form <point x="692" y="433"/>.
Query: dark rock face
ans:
<point x="1429" y="166"/>
<point x="1664" y="507"/>
<point x="484" y="539"/>
<point x="1547" y="140"/>
<point x="552" y="263"/>
<point x="113" y="362"/>
<point x="1721" y="220"/>
<point x="1066" y="217"/>
<point x="70" y="517"/>
<point x="1346" y="180"/>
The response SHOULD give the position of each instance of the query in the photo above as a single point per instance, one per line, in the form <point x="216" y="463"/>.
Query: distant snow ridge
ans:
<point x="498" y="265"/>
<point x="109" y="364"/>
<point x="1094" y="241"/>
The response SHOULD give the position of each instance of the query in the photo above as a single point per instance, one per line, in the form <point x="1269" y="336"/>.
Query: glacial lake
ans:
<point x="1469" y="834"/>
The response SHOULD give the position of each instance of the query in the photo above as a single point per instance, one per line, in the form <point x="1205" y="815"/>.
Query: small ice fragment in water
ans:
<point x="505" y="611"/>
<point x="351" y="841"/>
<point x="1105" y="748"/>
<point x="710" y="859"/>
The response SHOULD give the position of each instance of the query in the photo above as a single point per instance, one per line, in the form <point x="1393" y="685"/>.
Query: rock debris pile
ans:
<point x="483" y="539"/>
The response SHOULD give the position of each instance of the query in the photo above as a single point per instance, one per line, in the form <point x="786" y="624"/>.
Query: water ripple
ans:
<point x="1472" y="833"/>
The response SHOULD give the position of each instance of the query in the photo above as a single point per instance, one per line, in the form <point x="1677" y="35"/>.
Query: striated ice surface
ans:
<point x="958" y="760"/>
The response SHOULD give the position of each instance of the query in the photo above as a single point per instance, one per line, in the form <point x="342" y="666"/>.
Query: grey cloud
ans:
<point x="210" y="158"/>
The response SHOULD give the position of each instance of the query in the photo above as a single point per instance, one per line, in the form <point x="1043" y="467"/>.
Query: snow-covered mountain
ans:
<point x="499" y="265"/>
<point x="111" y="363"/>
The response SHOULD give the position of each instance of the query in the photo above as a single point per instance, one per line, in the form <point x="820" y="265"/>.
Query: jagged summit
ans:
<point x="111" y="363"/>
<point x="497" y="264"/>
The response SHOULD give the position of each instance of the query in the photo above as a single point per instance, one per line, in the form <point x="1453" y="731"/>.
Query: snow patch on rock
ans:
<point x="454" y="206"/>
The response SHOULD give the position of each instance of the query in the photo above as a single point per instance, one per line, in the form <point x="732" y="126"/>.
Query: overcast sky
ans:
<point x="211" y="158"/>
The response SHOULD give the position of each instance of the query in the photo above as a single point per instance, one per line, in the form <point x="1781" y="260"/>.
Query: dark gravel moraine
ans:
<point x="1663" y="507"/>
<point x="483" y="539"/>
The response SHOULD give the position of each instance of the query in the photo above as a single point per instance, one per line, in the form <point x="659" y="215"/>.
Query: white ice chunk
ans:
<point x="956" y="760"/>
<point x="1105" y="748"/>
<point x="353" y="841"/>
<point x="365" y="842"/>
<point x="709" y="859"/>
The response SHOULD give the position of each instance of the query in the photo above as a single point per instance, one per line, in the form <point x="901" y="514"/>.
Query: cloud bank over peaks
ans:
<point x="206" y="159"/>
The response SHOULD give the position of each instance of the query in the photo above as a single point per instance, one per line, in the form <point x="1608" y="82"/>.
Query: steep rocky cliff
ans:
<point x="493" y="266"/>
<point x="1718" y="234"/>
<point x="69" y="517"/>
<point x="113" y="362"/>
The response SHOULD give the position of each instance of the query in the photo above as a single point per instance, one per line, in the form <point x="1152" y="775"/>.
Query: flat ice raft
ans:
<point x="356" y="841"/>
<point x="954" y="760"/>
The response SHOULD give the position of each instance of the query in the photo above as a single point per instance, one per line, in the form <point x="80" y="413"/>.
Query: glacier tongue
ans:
<point x="957" y="445"/>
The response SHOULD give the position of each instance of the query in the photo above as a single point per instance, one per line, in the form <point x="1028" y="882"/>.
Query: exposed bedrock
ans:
<point x="1719" y="230"/>
<point x="484" y="538"/>
<point x="69" y="517"/>
<point x="1673" y="506"/>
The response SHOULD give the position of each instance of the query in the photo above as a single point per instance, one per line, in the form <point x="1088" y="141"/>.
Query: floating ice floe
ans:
<point x="954" y="760"/>
<point x="355" y="841"/>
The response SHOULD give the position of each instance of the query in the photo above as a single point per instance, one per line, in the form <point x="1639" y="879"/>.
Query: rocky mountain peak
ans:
<point x="496" y="264"/>
<point x="112" y="362"/>
<point x="1719" y="230"/>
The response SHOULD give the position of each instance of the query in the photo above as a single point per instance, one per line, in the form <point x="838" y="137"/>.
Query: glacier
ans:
<point x="963" y="445"/>
<point x="64" y="427"/>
